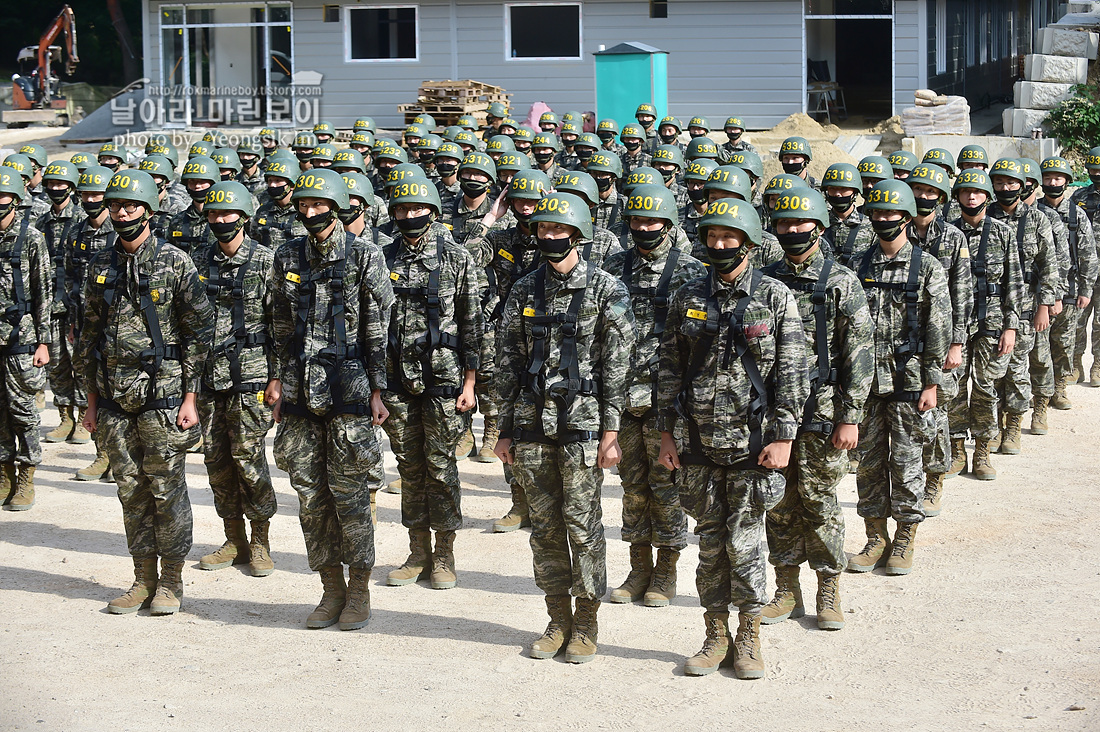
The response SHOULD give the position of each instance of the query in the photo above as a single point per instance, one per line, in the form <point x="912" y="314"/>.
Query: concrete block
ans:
<point x="1056" y="69"/>
<point x="997" y="146"/>
<point x="1090" y="8"/>
<point x="1061" y="42"/>
<point x="1040" y="95"/>
<point x="1040" y="149"/>
<point x="1006" y="121"/>
<point x="1025" y="120"/>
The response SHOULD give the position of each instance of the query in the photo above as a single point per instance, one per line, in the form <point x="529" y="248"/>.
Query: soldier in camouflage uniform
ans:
<point x="25" y="332"/>
<point x="1084" y="269"/>
<point x="734" y="129"/>
<point x="302" y="146"/>
<point x="563" y="354"/>
<point x="374" y="209"/>
<point x="695" y="178"/>
<point x="849" y="234"/>
<point x="731" y="389"/>
<point x="1039" y="262"/>
<point x="544" y="151"/>
<point x="872" y="170"/>
<point x="730" y="181"/>
<point x="807" y="525"/>
<point x="635" y="155"/>
<point x="188" y="230"/>
<point x="911" y="310"/>
<point x="646" y="114"/>
<point x="276" y="221"/>
<point x="902" y="163"/>
<point x="160" y="169"/>
<point x="779" y="185"/>
<point x="652" y="270"/>
<point x="235" y="417"/>
<point x="668" y="160"/>
<point x="29" y="206"/>
<point x="251" y="156"/>
<point x="331" y="305"/>
<point x="607" y="130"/>
<point x="60" y="179"/>
<point x="606" y="170"/>
<point x="507" y="166"/>
<point x="447" y="159"/>
<point x="566" y="158"/>
<point x="431" y="363"/>
<point x="931" y="187"/>
<point x="603" y="243"/>
<point x="585" y="147"/>
<point x="146" y="333"/>
<point x="1088" y="200"/>
<point x="668" y="133"/>
<point x="795" y="156"/>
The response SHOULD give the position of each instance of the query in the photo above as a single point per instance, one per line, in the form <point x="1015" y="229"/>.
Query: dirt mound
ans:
<point x="803" y="125"/>
<point x="825" y="154"/>
<point x="891" y="132"/>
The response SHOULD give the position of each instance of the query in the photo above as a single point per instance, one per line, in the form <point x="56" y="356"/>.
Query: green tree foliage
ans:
<point x="1076" y="121"/>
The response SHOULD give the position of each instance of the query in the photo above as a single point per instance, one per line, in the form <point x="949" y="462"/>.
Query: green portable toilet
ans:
<point x="627" y="75"/>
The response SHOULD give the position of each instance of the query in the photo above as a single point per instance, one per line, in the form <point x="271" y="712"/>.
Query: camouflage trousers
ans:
<point x="651" y="501"/>
<point x="1063" y="340"/>
<point x="487" y="361"/>
<point x="19" y="419"/>
<point x="376" y="475"/>
<point x="423" y="433"/>
<point x="1015" y="387"/>
<point x="1041" y="366"/>
<point x="66" y="388"/>
<point x="983" y="366"/>
<point x="563" y="485"/>
<point x="937" y="453"/>
<point x="234" y="431"/>
<point x="1082" y="340"/>
<point x="328" y="462"/>
<point x="890" y="479"/>
<point x="728" y="505"/>
<point x="807" y="524"/>
<point x="148" y="455"/>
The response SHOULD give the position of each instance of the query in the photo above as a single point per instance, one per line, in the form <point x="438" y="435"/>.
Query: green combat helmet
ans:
<point x="304" y="140"/>
<point x="389" y="151"/>
<point x="20" y="163"/>
<point x="66" y="172"/>
<point x="35" y="152"/>
<point x="229" y="195"/>
<point x="700" y="169"/>
<point x="468" y="122"/>
<point x="479" y="162"/>
<point x="903" y="162"/>
<point x="403" y="172"/>
<point x="426" y="121"/>
<point x="934" y="176"/>
<point x="652" y="201"/>
<point x="498" y="110"/>
<point x="324" y="153"/>
<point x="215" y="138"/>
<point x="804" y="204"/>
<point x="158" y="167"/>
<point x="732" y="214"/>
<point x="250" y="146"/>
<point x="632" y="131"/>
<point x="529" y="184"/>
<point x="324" y="128"/>
<point x="466" y="139"/>
<point x="365" y="124"/>
<point x="362" y="141"/>
<point x="82" y="161"/>
<point x="112" y="150"/>
<point x="580" y="184"/>
<point x="323" y="183"/>
<point x="415" y="190"/>
<point x="512" y="162"/>
<point x="134" y="185"/>
<point x="499" y="144"/>
<point x="201" y="168"/>
<point x="547" y="139"/>
<point x="874" y="168"/>
<point x="891" y="195"/>
<point x="607" y="129"/>
<point x="795" y="146"/>
<point x="567" y="209"/>
<point x="1009" y="168"/>
<point x="644" y="175"/>
<point x="549" y="120"/>
<point x="287" y="169"/>
<point x="1092" y="160"/>
<point x="941" y="157"/>
<point x="94" y="179"/>
<point x="698" y="123"/>
<point x="973" y="178"/>
<point x="227" y="159"/>
<point x="842" y="175"/>
<point x="731" y="179"/>
<point x="748" y="161"/>
<point x="669" y="121"/>
<point x="702" y="147"/>
<point x="348" y="160"/>
<point x="200" y="149"/>
<point x="782" y="183"/>
<point x="973" y="156"/>
<point x="605" y="162"/>
<point x="1033" y="178"/>
<point x="11" y="182"/>
<point x="666" y="155"/>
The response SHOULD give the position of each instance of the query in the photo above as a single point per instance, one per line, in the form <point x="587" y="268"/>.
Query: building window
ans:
<point x="941" y="36"/>
<point x="382" y="34"/>
<point x="542" y="31"/>
<point x="658" y="8"/>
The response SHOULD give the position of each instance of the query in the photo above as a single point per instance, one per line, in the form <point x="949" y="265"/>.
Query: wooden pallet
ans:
<point x="466" y="91"/>
<point x="445" y="119"/>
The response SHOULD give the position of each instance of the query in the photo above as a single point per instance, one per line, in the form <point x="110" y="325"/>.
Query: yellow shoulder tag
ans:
<point x="964" y="253"/>
<point x="101" y="279"/>
<point x="449" y="226"/>
<point x="506" y="255"/>
<point x="294" y="277"/>
<point x="528" y="312"/>
<point x="155" y="294"/>
<point x="696" y="314"/>
<point x="394" y="276"/>
<point x="177" y="233"/>
<point x="260" y="397"/>
<point x="202" y="278"/>
<point x="261" y="221"/>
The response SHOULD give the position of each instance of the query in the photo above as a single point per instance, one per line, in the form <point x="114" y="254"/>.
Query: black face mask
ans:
<point x="973" y="210"/>
<point x="523" y="147"/>
<point x="648" y="239"/>
<point x="733" y="136"/>
<point x="543" y="157"/>
<point x="1054" y="191"/>
<point x="347" y="215"/>
<point x="1095" y="178"/>
<point x="606" y="136"/>
<point x="57" y="196"/>
<point x="6" y="208"/>
<point x="604" y="184"/>
<point x="225" y="231"/>
<point x="521" y="218"/>
<point x="555" y="250"/>
<point x="1007" y="198"/>
<point x="197" y="196"/>
<point x="793" y="168"/>
<point x="632" y="145"/>
<point x="585" y="153"/>
<point x="446" y="169"/>
<point x="249" y="162"/>
<point x="668" y="139"/>
<point x="840" y="204"/>
<point x="1029" y="189"/>
<point x="316" y="224"/>
<point x="926" y="206"/>
<point x="384" y="170"/>
<point x="796" y="243"/>
<point x="415" y="226"/>
<point x="425" y="156"/>
<point x="647" y="124"/>
<point x="113" y="167"/>
<point x="889" y="230"/>
<point x="697" y="195"/>
<point x="667" y="175"/>
<point x="278" y="193"/>
<point x="303" y="155"/>
<point x="473" y="188"/>
<point x="568" y="143"/>
<point x="725" y="261"/>
<point x="92" y="208"/>
<point x="130" y="230"/>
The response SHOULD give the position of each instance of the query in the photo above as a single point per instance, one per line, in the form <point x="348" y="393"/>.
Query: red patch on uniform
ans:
<point x="756" y="331"/>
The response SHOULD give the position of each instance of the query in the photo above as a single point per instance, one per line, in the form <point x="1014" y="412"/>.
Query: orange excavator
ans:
<point x="36" y="96"/>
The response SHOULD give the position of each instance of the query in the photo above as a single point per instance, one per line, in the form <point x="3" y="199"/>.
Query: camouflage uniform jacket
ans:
<point x="56" y="227"/>
<point x="188" y="230"/>
<point x="615" y="148"/>
<point x="254" y="182"/>
<point x="506" y="255"/>
<point x="609" y="212"/>
<point x="848" y="239"/>
<point x="604" y="341"/>
<point x="1061" y="245"/>
<point x="219" y="274"/>
<point x="850" y="336"/>
<point x="567" y="160"/>
<point x="632" y="161"/>
<point x="689" y="222"/>
<point x="82" y="245"/>
<point x="646" y="272"/>
<point x="601" y="246"/>
<point x="367" y="298"/>
<point x="460" y="316"/>
<point x="1002" y="268"/>
<point x="679" y="193"/>
<point x="947" y="244"/>
<point x="183" y="312"/>
<point x="448" y="194"/>
<point x="889" y="315"/>
<point x="1088" y="198"/>
<point x="727" y="149"/>
<point x="1036" y="252"/>
<point x="32" y="326"/>
<point x="1088" y="262"/>
<point x="765" y="253"/>
<point x="718" y="399"/>
<point x="34" y="206"/>
<point x="273" y="225"/>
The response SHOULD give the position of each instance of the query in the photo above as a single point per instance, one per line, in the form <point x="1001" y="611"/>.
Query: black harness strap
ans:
<point x="20" y="305"/>
<point x="847" y="251"/>
<point x="1073" y="226"/>
<point x="913" y="343"/>
<point x="984" y="289"/>
<point x="660" y="298"/>
<point x="239" y="338"/>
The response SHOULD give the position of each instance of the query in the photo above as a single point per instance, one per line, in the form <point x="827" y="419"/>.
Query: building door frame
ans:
<point x="806" y="16"/>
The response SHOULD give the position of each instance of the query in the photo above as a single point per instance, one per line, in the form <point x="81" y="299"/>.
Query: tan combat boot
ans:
<point x="374" y="507"/>
<point x="356" y="611"/>
<point x="443" y="575"/>
<point x="641" y="573"/>
<point x="1094" y="373"/>
<point x="80" y="436"/>
<point x="234" y="551"/>
<point x="582" y="641"/>
<point x="259" y="550"/>
<point x="995" y="443"/>
<point x="416" y="566"/>
<point x="489" y="439"/>
<point x="1060" y="400"/>
<point x="982" y="468"/>
<point x="933" y="494"/>
<point x="877" y="549"/>
<point x="748" y="661"/>
<point x="901" y="556"/>
<point x="1039" y="415"/>
<point x="465" y="444"/>
<point x="1010" y="441"/>
<point x="394" y="487"/>
<point x="830" y="616"/>
<point x="168" y="599"/>
<point x="23" y="498"/>
<point x="662" y="588"/>
<point x="40" y="400"/>
<point x="958" y="457"/>
<point x="518" y="516"/>
<point x="8" y="481"/>
<point x="63" y="430"/>
<point x="715" y="647"/>
<point x="557" y="633"/>
<point x="333" y="598"/>
<point x="140" y="594"/>
<point x="98" y="469"/>
<point x="787" y="602"/>
<point x="1078" y="373"/>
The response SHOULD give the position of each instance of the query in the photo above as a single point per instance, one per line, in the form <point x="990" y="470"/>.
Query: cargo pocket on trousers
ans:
<point x="360" y="446"/>
<point x="768" y="488"/>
